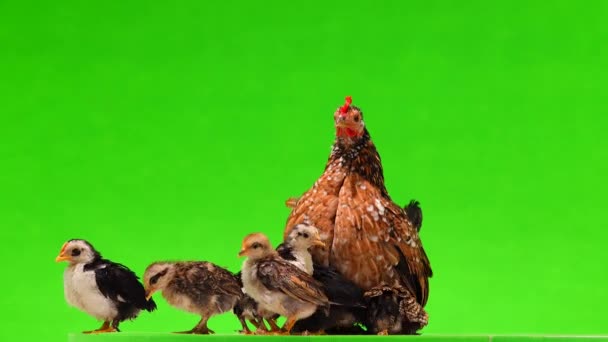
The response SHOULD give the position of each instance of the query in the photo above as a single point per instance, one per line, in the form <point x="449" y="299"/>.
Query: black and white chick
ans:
<point x="347" y="312"/>
<point x="198" y="287"/>
<point x="277" y="285"/>
<point x="108" y="291"/>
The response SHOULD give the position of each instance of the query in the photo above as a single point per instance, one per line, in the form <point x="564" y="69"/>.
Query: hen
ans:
<point x="369" y="238"/>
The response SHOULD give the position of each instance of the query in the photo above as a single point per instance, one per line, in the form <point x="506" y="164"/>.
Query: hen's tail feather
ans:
<point x="414" y="213"/>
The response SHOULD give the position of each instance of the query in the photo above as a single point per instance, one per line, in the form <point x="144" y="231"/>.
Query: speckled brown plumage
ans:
<point x="195" y="286"/>
<point x="369" y="238"/>
<point x="387" y="306"/>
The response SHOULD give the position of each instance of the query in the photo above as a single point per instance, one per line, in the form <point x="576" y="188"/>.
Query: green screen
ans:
<point x="161" y="130"/>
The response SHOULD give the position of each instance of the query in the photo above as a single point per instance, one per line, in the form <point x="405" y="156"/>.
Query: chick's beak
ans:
<point x="62" y="257"/>
<point x="149" y="293"/>
<point x="243" y="252"/>
<point x="318" y="242"/>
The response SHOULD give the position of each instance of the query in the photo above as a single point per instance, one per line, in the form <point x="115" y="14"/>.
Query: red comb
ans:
<point x="347" y="103"/>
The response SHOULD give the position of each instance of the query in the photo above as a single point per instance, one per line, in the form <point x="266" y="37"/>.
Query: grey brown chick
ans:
<point x="198" y="287"/>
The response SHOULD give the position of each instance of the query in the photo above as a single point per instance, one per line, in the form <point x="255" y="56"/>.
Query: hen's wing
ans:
<point x="279" y="275"/>
<point x="318" y="207"/>
<point x="375" y="243"/>
<point x="119" y="283"/>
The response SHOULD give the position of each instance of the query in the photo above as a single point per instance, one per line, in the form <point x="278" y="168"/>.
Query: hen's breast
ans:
<point x="317" y="207"/>
<point x="359" y="249"/>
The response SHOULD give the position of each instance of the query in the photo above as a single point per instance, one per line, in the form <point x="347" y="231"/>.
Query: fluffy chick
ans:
<point x="394" y="310"/>
<point x="106" y="290"/>
<point x="277" y="285"/>
<point x="296" y="247"/>
<point x="295" y="250"/>
<point x="198" y="287"/>
<point x="347" y="311"/>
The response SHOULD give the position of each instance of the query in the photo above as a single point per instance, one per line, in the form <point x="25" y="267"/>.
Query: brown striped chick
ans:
<point x="277" y="285"/>
<point x="198" y="287"/>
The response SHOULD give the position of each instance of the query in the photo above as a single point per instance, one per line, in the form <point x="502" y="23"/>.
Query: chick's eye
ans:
<point x="75" y="252"/>
<point x="256" y="245"/>
<point x="305" y="235"/>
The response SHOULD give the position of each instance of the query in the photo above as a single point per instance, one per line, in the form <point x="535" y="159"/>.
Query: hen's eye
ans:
<point x="75" y="252"/>
<point x="357" y="118"/>
<point x="305" y="235"/>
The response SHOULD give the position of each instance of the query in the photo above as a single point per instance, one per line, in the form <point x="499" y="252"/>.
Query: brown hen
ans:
<point x="369" y="238"/>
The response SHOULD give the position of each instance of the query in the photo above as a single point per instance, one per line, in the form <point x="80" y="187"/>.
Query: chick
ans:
<point x="105" y="290"/>
<point x="394" y="311"/>
<point x="296" y="247"/>
<point x="277" y="285"/>
<point x="295" y="250"/>
<point x="347" y="311"/>
<point x="198" y="287"/>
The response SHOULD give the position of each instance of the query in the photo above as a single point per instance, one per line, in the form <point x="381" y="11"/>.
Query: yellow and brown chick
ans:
<point x="294" y="249"/>
<point x="198" y="287"/>
<point x="276" y="284"/>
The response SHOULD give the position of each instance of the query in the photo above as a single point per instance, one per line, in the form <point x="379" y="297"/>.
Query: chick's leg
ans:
<point x="201" y="327"/>
<point x="105" y="327"/>
<point x="288" y="325"/>
<point x="255" y="322"/>
<point x="273" y="325"/>
<point x="245" y="329"/>
<point x="261" y="328"/>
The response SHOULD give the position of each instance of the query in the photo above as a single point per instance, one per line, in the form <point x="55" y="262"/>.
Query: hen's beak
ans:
<point x="343" y="124"/>
<point x="62" y="257"/>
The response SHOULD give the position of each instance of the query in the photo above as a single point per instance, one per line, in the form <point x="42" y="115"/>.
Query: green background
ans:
<point x="169" y="131"/>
